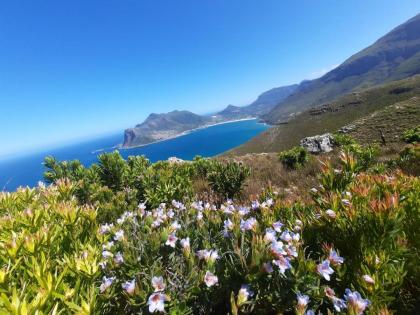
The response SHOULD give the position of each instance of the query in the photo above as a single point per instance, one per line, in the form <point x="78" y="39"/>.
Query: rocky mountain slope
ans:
<point x="394" y="56"/>
<point x="345" y="110"/>
<point x="163" y="126"/>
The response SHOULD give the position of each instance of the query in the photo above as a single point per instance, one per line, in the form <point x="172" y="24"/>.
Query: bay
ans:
<point x="207" y="142"/>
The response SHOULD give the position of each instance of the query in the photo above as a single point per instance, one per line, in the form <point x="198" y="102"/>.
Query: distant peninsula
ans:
<point x="158" y="127"/>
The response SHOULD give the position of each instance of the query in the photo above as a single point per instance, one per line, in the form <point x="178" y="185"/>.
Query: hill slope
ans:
<point x="394" y="56"/>
<point x="332" y="116"/>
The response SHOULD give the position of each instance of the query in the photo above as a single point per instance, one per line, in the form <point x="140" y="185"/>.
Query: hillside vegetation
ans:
<point x="131" y="237"/>
<point x="357" y="108"/>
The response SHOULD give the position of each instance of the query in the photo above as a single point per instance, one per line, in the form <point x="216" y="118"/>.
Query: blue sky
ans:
<point x="77" y="69"/>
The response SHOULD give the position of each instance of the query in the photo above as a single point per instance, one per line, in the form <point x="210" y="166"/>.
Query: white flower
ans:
<point x="302" y="300"/>
<point x="346" y="202"/>
<point x="291" y="251"/>
<point x="102" y="264"/>
<point x="296" y="237"/>
<point x="243" y="294"/>
<point x="270" y="235"/>
<point x="118" y="259"/>
<point x="283" y="264"/>
<point x="105" y="228"/>
<point x="171" y="241"/>
<point x="170" y="213"/>
<point x="175" y="225"/>
<point x="185" y="243"/>
<point x="334" y="258"/>
<point x="213" y="256"/>
<point x="119" y="235"/>
<point x="106" y="283"/>
<point x="368" y="279"/>
<point x="199" y="216"/>
<point x="228" y="225"/>
<point x="325" y="270"/>
<point x="129" y="286"/>
<point x="243" y="211"/>
<point x="269" y="202"/>
<point x="248" y="224"/>
<point x="156" y="302"/>
<point x="255" y="204"/>
<point x="314" y="190"/>
<point x="178" y="205"/>
<point x="107" y="246"/>
<point x="209" y="256"/>
<point x="331" y="213"/>
<point x="355" y="302"/>
<point x="158" y="284"/>
<point x="107" y="254"/>
<point x="277" y="226"/>
<point x="210" y="279"/>
<point x="285" y="236"/>
<point x="277" y="249"/>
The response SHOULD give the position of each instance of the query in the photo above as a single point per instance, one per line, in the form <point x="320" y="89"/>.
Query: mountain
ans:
<point x="168" y="125"/>
<point x="347" y="110"/>
<point x="262" y="105"/>
<point x="163" y="126"/>
<point x="394" y="56"/>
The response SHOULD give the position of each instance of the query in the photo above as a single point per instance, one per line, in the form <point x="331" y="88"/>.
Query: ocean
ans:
<point x="207" y="142"/>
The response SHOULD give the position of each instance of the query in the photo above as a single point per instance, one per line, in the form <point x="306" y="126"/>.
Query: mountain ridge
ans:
<point x="394" y="56"/>
<point x="157" y="127"/>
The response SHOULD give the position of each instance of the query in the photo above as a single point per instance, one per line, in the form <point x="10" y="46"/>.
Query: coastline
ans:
<point x="120" y="147"/>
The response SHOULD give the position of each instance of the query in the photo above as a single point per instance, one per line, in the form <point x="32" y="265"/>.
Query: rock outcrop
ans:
<point x="318" y="144"/>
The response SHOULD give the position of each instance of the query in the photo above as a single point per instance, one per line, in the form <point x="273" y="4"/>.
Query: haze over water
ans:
<point x="28" y="170"/>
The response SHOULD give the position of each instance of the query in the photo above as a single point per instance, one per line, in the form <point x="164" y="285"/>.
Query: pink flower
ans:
<point x="368" y="279"/>
<point x="210" y="279"/>
<point x="171" y="241"/>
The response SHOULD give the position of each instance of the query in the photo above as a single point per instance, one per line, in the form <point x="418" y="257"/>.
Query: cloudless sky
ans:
<point x="81" y="68"/>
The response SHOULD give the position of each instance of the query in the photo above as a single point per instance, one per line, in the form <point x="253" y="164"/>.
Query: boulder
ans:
<point x="347" y="129"/>
<point x="175" y="160"/>
<point x="318" y="144"/>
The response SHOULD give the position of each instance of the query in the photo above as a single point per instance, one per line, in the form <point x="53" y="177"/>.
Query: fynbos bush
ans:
<point x="353" y="249"/>
<point x="227" y="179"/>
<point x="294" y="158"/>
<point x="412" y="135"/>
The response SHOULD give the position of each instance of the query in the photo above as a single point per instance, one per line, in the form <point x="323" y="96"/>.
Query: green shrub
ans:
<point x="56" y="170"/>
<point x="412" y="135"/>
<point x="409" y="160"/>
<point x="227" y="179"/>
<point x="49" y="252"/>
<point x="202" y="166"/>
<point x="56" y="258"/>
<point x="365" y="156"/>
<point x="164" y="182"/>
<point x="294" y="158"/>
<point x="112" y="170"/>
<point x="342" y="139"/>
